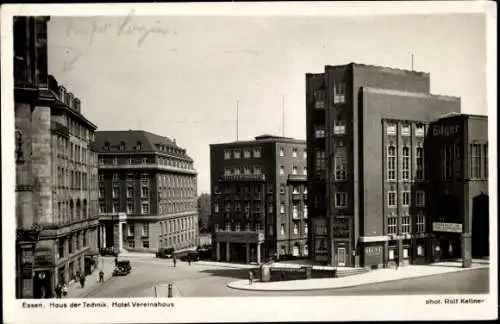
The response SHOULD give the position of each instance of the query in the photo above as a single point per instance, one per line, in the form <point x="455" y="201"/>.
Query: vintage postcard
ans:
<point x="249" y="162"/>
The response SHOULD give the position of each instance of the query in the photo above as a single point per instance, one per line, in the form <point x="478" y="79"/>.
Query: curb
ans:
<point x="95" y="288"/>
<point x="351" y="285"/>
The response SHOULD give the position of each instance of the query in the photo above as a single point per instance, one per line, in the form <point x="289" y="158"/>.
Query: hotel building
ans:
<point x="147" y="192"/>
<point x="259" y="197"/>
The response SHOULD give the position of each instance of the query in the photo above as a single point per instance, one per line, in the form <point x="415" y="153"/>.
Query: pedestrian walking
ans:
<point x="250" y="277"/>
<point x="116" y="261"/>
<point x="175" y="261"/>
<point x="101" y="276"/>
<point x="82" y="280"/>
<point x="189" y="260"/>
<point x="64" y="289"/>
<point x="58" y="290"/>
<point x="397" y="262"/>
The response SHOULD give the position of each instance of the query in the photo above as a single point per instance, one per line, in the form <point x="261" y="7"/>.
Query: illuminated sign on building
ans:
<point x="447" y="227"/>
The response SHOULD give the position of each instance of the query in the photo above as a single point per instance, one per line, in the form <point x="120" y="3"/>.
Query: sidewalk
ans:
<point x="226" y="264"/>
<point x="375" y="276"/>
<point x="92" y="280"/>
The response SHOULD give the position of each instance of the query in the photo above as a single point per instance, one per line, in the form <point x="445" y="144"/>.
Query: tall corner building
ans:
<point x="259" y="194"/>
<point x="56" y="172"/>
<point x="147" y="192"/>
<point x="366" y="132"/>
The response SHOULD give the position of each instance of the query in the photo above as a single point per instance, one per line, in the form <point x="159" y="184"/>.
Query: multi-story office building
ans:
<point x="258" y="199"/>
<point x="366" y="129"/>
<point x="147" y="192"/>
<point x="457" y="196"/>
<point x="56" y="171"/>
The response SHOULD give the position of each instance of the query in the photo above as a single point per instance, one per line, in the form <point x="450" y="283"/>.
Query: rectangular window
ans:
<point x="341" y="200"/>
<point x="116" y="207"/>
<point x="405" y="170"/>
<point x="282" y="208"/>
<point x="295" y="170"/>
<point x="340" y="167"/>
<point x="306" y="228"/>
<point x="256" y="152"/>
<point x="304" y="154"/>
<point x="475" y="161"/>
<point x="257" y="170"/>
<point x="246" y="153"/>
<point x="247" y="170"/>
<point x="391" y="129"/>
<point x="391" y="163"/>
<point x="130" y="191"/>
<point x="319" y="99"/>
<point x="131" y="230"/>
<point x="339" y="127"/>
<point x="237" y="154"/>
<point x="145" y="229"/>
<point x="420" y="198"/>
<point x="406" y="198"/>
<point x="420" y="223"/>
<point x="237" y="171"/>
<point x="295" y="212"/>
<point x="282" y="170"/>
<point x="405" y="224"/>
<point x="447" y="162"/>
<point x="116" y="191"/>
<point x="282" y="151"/>
<point x="320" y="161"/>
<point x="420" y="131"/>
<point x="294" y="153"/>
<point x="339" y="92"/>
<point x="295" y="190"/>
<point x="405" y="130"/>
<point x="115" y="177"/>
<point x="227" y="154"/>
<point x="304" y="171"/>
<point x="391" y="198"/>
<point x="130" y="208"/>
<point x="145" y="243"/>
<point x="144" y="192"/>
<point x="319" y="131"/>
<point x="282" y="229"/>
<point x="102" y="208"/>
<point x="305" y="211"/>
<point x="419" y="159"/>
<point x="392" y="223"/>
<point x="296" y="229"/>
<point x="101" y="191"/>
<point x="282" y="189"/>
<point x="227" y="171"/>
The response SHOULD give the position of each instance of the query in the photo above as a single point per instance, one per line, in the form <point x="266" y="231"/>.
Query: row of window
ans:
<point x="479" y="161"/>
<point x="247" y="153"/>
<point x="339" y="128"/>
<point x="405" y="159"/>
<point x="74" y="152"/>
<point x="405" y="225"/>
<point x="178" y="224"/>
<point x="405" y="129"/>
<point x="339" y="93"/>
<point x="72" y="243"/>
<point x="130" y="208"/>
<point x="296" y="229"/>
<point x="295" y="152"/>
<point x="406" y="198"/>
<point x="184" y="239"/>
<point x="78" y="130"/>
<point x="71" y="211"/>
<point x="247" y="208"/>
<point x="169" y="207"/>
<point x="295" y="170"/>
<point x="176" y="163"/>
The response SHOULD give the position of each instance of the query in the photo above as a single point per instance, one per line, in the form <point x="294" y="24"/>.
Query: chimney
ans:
<point x="62" y="94"/>
<point x="76" y="104"/>
<point x="69" y="99"/>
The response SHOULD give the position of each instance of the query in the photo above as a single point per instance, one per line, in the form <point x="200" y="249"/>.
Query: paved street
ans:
<point x="210" y="281"/>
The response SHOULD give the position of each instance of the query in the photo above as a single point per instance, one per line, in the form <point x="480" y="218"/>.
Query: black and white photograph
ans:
<point x="249" y="162"/>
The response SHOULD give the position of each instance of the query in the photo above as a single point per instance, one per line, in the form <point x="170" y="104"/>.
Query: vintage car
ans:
<point x="190" y="256"/>
<point x="122" y="268"/>
<point x="204" y="252"/>
<point x="165" y="253"/>
<point x="108" y="251"/>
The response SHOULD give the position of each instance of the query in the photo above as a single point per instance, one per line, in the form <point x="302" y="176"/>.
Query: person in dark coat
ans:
<point x="58" y="290"/>
<point x="101" y="276"/>
<point x="250" y="277"/>
<point x="82" y="280"/>
<point x="116" y="261"/>
<point x="174" y="260"/>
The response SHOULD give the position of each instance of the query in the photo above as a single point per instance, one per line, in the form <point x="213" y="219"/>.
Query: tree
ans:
<point x="204" y="212"/>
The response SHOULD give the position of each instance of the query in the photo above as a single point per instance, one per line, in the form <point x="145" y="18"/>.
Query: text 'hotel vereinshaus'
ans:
<point x="370" y="203"/>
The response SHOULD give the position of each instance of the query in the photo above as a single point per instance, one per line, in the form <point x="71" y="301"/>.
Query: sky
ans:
<point x="181" y="76"/>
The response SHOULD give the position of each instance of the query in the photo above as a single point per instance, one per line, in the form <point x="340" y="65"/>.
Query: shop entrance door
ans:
<point x="341" y="257"/>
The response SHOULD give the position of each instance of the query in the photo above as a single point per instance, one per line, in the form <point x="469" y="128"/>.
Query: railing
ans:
<point x="297" y="177"/>
<point x="146" y="166"/>
<point x="243" y="177"/>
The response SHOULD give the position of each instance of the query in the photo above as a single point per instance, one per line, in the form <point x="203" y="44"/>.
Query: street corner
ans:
<point x="245" y="285"/>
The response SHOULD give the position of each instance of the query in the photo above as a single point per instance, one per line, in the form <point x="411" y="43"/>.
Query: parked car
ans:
<point x="122" y="268"/>
<point x="108" y="251"/>
<point x="165" y="253"/>
<point x="204" y="253"/>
